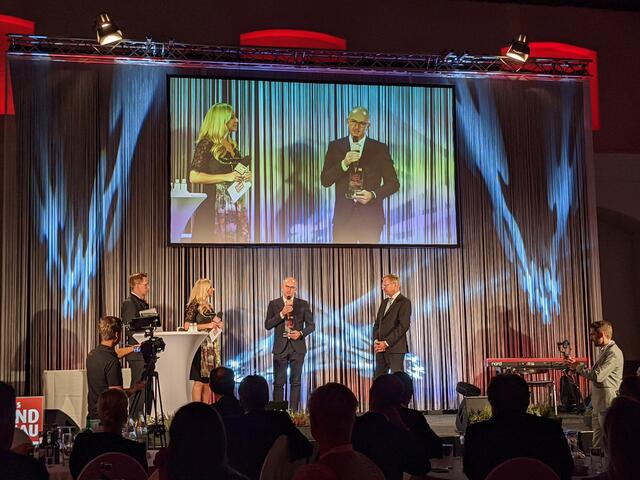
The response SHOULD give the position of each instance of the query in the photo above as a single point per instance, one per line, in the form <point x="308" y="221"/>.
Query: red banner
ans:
<point x="30" y="416"/>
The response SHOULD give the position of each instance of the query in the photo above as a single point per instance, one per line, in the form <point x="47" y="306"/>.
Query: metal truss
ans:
<point x="186" y="55"/>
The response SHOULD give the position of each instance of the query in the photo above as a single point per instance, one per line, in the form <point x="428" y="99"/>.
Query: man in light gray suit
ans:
<point x="605" y="375"/>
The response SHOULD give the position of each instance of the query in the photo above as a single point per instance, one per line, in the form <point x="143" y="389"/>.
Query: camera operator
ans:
<point x="130" y="309"/>
<point x="103" y="368"/>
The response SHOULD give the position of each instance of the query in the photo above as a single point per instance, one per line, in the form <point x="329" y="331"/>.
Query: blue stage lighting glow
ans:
<point x="74" y="251"/>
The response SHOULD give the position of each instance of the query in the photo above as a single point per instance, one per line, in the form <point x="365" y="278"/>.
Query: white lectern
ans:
<point x="183" y="206"/>
<point x="173" y="366"/>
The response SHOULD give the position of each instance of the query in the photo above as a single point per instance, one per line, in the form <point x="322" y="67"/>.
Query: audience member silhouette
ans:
<point x="13" y="465"/>
<point x="630" y="387"/>
<point x="112" y="412"/>
<point x="332" y="412"/>
<point x="197" y="445"/>
<point x="222" y="383"/>
<point x="381" y="435"/>
<point x="512" y="432"/>
<point x="415" y="420"/>
<point x="251" y="435"/>
<point x="621" y="428"/>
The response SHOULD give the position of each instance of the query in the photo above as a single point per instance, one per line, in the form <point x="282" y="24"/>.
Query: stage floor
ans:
<point x="445" y="424"/>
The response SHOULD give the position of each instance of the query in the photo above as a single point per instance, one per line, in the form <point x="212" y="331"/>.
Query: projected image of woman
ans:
<point x="200" y="311"/>
<point x="215" y="165"/>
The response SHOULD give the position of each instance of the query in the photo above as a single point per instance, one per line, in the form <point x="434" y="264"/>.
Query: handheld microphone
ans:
<point x="219" y="315"/>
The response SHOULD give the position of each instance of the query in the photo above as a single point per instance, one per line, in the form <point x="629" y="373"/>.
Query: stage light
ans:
<point x="107" y="32"/>
<point x="519" y="49"/>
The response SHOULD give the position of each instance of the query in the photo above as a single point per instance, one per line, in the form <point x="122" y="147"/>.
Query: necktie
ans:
<point x="388" y="306"/>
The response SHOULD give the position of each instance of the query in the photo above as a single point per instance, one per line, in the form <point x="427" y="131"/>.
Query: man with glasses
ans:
<point x="364" y="175"/>
<point x="292" y="321"/>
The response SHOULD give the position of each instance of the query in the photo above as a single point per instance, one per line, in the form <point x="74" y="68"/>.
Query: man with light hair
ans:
<point x="605" y="374"/>
<point x="291" y="320"/>
<point x="364" y="175"/>
<point x="391" y="327"/>
<point x="130" y="309"/>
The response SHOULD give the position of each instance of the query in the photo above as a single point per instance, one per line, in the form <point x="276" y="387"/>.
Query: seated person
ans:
<point x="197" y="446"/>
<point x="13" y="465"/>
<point x="112" y="412"/>
<point x="381" y="435"/>
<point x="512" y="432"/>
<point x="332" y="412"/>
<point x="621" y="427"/>
<point x="415" y="420"/>
<point x="251" y="435"/>
<point x="222" y="383"/>
<point x="21" y="442"/>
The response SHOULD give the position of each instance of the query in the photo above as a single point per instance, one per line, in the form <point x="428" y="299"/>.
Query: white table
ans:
<point x="173" y="366"/>
<point x="183" y="206"/>
<point x="66" y="390"/>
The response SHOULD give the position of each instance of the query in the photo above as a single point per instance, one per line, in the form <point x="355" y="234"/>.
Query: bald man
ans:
<point x="291" y="319"/>
<point x="365" y="163"/>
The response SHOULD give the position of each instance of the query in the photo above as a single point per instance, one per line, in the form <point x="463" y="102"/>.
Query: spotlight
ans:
<point x="107" y="32"/>
<point x="519" y="49"/>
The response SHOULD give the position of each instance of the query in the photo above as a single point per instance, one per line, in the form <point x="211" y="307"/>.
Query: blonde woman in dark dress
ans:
<point x="214" y="163"/>
<point x="200" y="311"/>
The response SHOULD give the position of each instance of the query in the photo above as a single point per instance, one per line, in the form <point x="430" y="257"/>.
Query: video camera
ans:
<point x="151" y="347"/>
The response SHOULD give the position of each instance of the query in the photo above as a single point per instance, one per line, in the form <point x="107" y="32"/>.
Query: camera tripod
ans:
<point x="151" y="375"/>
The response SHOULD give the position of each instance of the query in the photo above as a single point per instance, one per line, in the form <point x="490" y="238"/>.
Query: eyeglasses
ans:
<point x="356" y="123"/>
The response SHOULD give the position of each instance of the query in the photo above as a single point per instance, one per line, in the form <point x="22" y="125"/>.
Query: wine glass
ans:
<point x="67" y="444"/>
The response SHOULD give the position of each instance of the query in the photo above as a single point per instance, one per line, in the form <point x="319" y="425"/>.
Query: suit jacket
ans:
<point x="393" y="326"/>
<point x="417" y="424"/>
<point x="302" y="321"/>
<point x="393" y="449"/>
<point x="251" y="436"/>
<point x="490" y="443"/>
<point x="605" y="376"/>
<point x="228" y="405"/>
<point x="129" y="310"/>
<point x="88" y="446"/>
<point x="379" y="176"/>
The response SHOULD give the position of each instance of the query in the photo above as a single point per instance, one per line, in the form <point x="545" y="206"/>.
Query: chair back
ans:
<point x="113" y="466"/>
<point x="522" y="468"/>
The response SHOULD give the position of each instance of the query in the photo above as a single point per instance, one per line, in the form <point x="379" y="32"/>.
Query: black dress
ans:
<point x="193" y="315"/>
<point x="217" y="219"/>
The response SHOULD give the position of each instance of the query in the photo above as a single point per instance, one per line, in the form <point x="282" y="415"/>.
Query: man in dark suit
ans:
<point x="130" y="309"/>
<point x="512" y="432"/>
<point x="391" y="327"/>
<point x="250" y="436"/>
<point x="358" y="216"/>
<point x="291" y="320"/>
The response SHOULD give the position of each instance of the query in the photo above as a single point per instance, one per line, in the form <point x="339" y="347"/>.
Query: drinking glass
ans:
<point x="596" y="466"/>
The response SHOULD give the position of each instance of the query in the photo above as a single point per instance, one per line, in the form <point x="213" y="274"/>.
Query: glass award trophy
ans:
<point x="355" y="180"/>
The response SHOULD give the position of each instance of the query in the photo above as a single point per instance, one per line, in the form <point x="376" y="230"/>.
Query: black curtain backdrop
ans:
<point x="85" y="205"/>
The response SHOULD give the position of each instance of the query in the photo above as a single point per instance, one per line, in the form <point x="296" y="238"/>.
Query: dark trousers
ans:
<point x="357" y="231"/>
<point x="386" y="361"/>
<point x="287" y="358"/>
<point x="136" y="364"/>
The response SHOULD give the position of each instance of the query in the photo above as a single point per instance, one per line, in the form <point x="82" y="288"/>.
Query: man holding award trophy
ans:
<point x="363" y="173"/>
<point x="292" y="321"/>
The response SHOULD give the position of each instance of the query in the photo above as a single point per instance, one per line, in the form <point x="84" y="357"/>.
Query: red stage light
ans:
<point x="9" y="24"/>
<point x="565" y="50"/>
<point x="292" y="39"/>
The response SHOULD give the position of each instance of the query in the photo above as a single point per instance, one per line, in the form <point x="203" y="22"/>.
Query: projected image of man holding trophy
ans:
<point x="364" y="175"/>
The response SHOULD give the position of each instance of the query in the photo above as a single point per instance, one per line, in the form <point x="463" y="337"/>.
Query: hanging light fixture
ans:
<point x="107" y="32"/>
<point x="519" y="49"/>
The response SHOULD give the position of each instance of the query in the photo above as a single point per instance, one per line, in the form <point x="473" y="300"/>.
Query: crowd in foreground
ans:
<point x="232" y="438"/>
